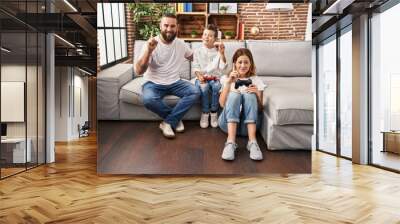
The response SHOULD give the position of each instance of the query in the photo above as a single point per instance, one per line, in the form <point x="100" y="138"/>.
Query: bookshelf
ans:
<point x="225" y="22"/>
<point x="195" y="17"/>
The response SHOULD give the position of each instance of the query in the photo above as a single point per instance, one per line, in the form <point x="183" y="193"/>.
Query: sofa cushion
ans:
<point x="109" y="83"/>
<point x="132" y="93"/>
<point x="281" y="58"/>
<point x="184" y="71"/>
<point x="230" y="48"/>
<point x="289" y="100"/>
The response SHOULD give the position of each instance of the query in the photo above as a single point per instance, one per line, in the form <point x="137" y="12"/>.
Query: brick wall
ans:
<point x="274" y="25"/>
<point x="130" y="33"/>
<point x="286" y="26"/>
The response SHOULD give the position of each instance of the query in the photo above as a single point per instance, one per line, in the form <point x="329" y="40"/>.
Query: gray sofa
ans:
<point x="285" y="66"/>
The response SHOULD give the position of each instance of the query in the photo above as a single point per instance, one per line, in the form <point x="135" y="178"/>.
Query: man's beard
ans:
<point x="169" y="37"/>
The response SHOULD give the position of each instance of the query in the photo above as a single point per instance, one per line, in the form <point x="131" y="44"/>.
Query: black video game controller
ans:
<point x="242" y="82"/>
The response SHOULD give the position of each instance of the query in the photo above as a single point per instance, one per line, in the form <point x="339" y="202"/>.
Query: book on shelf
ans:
<point x="180" y="7"/>
<point x="189" y="7"/>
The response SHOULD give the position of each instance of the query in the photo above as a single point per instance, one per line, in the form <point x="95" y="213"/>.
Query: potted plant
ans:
<point x="193" y="34"/>
<point x="229" y="34"/>
<point x="147" y="18"/>
<point x="223" y="9"/>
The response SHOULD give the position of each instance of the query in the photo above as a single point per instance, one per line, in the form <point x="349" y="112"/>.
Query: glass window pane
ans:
<point x="122" y="14"/>
<point x="100" y="22"/>
<point x="346" y="94"/>
<point x="107" y="14"/>
<point x="110" y="46"/>
<point x="117" y="39"/>
<point x="395" y="101"/>
<point x="124" y="48"/>
<point x="31" y="100"/>
<point x="385" y="87"/>
<point x="13" y="83"/>
<point x="41" y="99"/>
<point x="115" y="14"/>
<point x="327" y="96"/>
<point x="102" y="47"/>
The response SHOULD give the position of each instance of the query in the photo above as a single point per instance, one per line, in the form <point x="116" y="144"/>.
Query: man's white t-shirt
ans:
<point x="165" y="61"/>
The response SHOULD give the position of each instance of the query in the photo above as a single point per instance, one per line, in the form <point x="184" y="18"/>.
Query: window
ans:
<point x="385" y="84"/>
<point x="111" y="33"/>
<point x="346" y="92"/>
<point x="327" y="95"/>
<point x="22" y="73"/>
<point x="394" y="101"/>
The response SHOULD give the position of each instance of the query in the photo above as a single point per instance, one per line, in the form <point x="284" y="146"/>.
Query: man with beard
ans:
<point x="160" y="61"/>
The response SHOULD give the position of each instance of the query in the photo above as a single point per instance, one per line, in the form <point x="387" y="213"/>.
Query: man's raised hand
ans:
<point x="152" y="44"/>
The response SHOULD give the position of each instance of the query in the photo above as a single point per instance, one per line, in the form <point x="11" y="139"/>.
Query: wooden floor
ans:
<point x="70" y="191"/>
<point x="386" y="159"/>
<point x="140" y="148"/>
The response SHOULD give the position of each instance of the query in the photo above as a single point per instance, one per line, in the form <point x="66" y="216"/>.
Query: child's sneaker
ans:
<point x="255" y="152"/>
<point x="204" y="120"/>
<point x="229" y="151"/>
<point x="214" y="120"/>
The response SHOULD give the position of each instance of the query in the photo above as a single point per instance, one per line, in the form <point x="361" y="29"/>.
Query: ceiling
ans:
<point x="330" y="15"/>
<point x="72" y="20"/>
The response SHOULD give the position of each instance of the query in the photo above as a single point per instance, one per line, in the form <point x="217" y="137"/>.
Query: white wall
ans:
<point x="308" y="36"/>
<point x="70" y="83"/>
<point x="61" y="103"/>
<point x="314" y="91"/>
<point x="16" y="72"/>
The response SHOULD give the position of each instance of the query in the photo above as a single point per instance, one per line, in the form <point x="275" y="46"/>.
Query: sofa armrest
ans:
<point x="109" y="83"/>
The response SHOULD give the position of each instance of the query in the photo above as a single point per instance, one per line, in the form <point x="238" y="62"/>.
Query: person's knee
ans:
<point x="149" y="100"/>
<point x="216" y="87"/>
<point x="194" y="93"/>
<point x="233" y="97"/>
<point x="203" y="89"/>
<point x="250" y="98"/>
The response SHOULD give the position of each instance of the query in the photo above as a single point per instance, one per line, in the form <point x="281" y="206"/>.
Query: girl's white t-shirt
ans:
<point x="242" y="89"/>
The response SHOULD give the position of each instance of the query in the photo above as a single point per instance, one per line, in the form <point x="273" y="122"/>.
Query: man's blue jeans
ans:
<point x="240" y="108"/>
<point x="153" y="95"/>
<point x="211" y="87"/>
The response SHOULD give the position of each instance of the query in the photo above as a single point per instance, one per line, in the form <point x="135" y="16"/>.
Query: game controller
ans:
<point x="242" y="82"/>
<point x="210" y="78"/>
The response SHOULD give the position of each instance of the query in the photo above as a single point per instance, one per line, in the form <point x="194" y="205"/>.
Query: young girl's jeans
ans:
<point x="211" y="87"/>
<point x="241" y="108"/>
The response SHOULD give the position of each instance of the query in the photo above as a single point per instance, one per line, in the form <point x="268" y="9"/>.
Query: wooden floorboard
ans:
<point x="70" y="191"/>
<point x="140" y="148"/>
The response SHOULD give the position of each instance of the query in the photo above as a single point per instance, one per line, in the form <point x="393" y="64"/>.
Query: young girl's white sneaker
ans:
<point x="229" y="151"/>
<point x="255" y="152"/>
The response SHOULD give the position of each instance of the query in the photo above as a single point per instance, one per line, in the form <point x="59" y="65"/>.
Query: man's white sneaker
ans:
<point x="214" y="120"/>
<point x="180" y="128"/>
<point x="167" y="130"/>
<point x="204" y="120"/>
<point x="229" y="151"/>
<point x="255" y="152"/>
